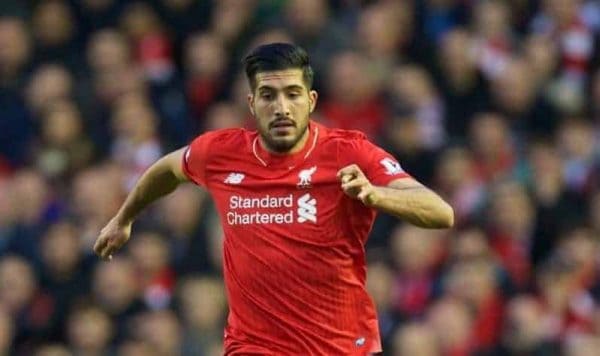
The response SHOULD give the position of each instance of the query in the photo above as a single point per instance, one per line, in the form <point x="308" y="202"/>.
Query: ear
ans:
<point x="251" y="103"/>
<point x="313" y="96"/>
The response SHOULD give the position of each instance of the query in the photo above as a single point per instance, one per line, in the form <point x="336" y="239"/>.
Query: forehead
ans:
<point x="280" y="78"/>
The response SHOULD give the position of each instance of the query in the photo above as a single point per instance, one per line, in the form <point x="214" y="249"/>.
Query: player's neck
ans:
<point x="297" y="147"/>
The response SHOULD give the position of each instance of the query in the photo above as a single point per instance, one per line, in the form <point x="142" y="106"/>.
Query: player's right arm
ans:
<point x="157" y="181"/>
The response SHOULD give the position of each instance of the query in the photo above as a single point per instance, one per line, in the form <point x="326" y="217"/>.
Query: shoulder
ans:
<point x="347" y="142"/>
<point x="349" y="146"/>
<point x="218" y="143"/>
<point x="341" y="135"/>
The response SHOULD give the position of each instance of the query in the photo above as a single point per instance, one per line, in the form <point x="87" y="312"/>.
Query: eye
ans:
<point x="293" y="95"/>
<point x="266" y="96"/>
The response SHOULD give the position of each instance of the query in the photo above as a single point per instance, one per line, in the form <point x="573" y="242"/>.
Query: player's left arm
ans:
<point x="404" y="198"/>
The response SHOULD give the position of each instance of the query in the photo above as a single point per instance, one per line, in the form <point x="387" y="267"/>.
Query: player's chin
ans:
<point x="282" y="143"/>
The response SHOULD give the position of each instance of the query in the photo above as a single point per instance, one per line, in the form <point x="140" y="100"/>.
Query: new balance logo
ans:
<point x="234" y="178"/>
<point x="307" y="209"/>
<point x="360" y="342"/>
<point x="391" y="167"/>
<point x="305" y="177"/>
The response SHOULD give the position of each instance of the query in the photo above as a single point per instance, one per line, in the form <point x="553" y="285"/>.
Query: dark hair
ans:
<point x="277" y="56"/>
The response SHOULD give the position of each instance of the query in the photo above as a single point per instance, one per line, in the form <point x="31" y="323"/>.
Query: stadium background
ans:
<point x="494" y="104"/>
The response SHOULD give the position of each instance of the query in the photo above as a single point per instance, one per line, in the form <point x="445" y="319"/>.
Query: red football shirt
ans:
<point x="294" y="258"/>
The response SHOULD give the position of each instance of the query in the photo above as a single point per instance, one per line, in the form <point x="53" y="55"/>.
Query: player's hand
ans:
<point x="356" y="185"/>
<point x="112" y="237"/>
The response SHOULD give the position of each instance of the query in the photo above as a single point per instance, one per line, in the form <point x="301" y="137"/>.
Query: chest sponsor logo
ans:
<point x="234" y="178"/>
<point x="307" y="209"/>
<point x="391" y="166"/>
<point x="305" y="177"/>
<point x="272" y="210"/>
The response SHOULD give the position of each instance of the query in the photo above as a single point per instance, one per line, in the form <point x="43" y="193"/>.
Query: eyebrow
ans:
<point x="289" y="87"/>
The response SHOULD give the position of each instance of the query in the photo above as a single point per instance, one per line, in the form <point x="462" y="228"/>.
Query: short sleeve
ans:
<point x="379" y="166"/>
<point x="195" y="158"/>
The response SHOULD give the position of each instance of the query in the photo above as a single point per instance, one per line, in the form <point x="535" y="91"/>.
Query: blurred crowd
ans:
<point x="495" y="104"/>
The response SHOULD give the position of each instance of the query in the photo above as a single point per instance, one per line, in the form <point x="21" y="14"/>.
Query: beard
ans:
<point x="283" y="144"/>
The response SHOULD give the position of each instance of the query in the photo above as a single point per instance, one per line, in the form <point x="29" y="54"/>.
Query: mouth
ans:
<point x="282" y="127"/>
<point x="282" y="124"/>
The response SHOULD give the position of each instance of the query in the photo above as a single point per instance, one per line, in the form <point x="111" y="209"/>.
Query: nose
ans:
<point x="282" y="108"/>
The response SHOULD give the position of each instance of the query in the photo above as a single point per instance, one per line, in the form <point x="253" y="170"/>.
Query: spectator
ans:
<point x="415" y="254"/>
<point x="150" y="254"/>
<point x="567" y="305"/>
<point x="16" y="51"/>
<point x="48" y="84"/>
<point x="557" y="207"/>
<point x="223" y="115"/>
<point x="579" y="248"/>
<point x="54" y="29"/>
<point x="385" y="32"/>
<point x="380" y="284"/>
<point x="182" y="215"/>
<point x="523" y="332"/>
<point x="94" y="193"/>
<point x="578" y="148"/>
<point x="514" y="94"/>
<point x="562" y="20"/>
<point x="133" y="347"/>
<point x="461" y="84"/>
<point x="64" y="273"/>
<point x="456" y="177"/>
<point x="403" y="138"/>
<point x="452" y="325"/>
<point x="205" y="64"/>
<point x="136" y="144"/>
<point x="474" y="282"/>
<point x="25" y="302"/>
<point x="494" y="152"/>
<point x="470" y="244"/>
<point x="6" y="332"/>
<point x="64" y="147"/>
<point x="108" y="50"/>
<point x="543" y="58"/>
<point x="116" y="291"/>
<point x="53" y="350"/>
<point x="161" y="330"/>
<point x="352" y="99"/>
<point x="510" y="221"/>
<point x="203" y="306"/>
<point x="412" y="88"/>
<point x="89" y="330"/>
<point x="581" y="345"/>
<point x="415" y="339"/>
<point x="152" y="46"/>
<point x="230" y="18"/>
<point x="16" y="128"/>
<point x="33" y="205"/>
<point x="494" y="38"/>
<point x="312" y="26"/>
